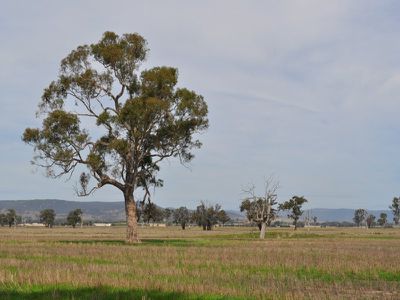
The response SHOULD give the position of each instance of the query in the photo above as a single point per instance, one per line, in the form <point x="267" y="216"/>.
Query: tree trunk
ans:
<point x="259" y="226"/>
<point x="131" y="221"/>
<point x="183" y="226"/>
<point x="263" y="229"/>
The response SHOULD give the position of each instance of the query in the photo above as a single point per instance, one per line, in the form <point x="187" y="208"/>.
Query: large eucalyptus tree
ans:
<point x="102" y="112"/>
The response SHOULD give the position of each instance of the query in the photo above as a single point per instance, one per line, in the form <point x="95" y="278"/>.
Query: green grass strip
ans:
<point x="38" y="292"/>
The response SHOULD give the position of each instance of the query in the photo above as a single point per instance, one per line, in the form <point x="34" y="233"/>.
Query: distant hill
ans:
<point x="341" y="214"/>
<point x="115" y="211"/>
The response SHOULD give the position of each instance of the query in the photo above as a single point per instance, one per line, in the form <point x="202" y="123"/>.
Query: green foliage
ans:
<point x="74" y="217"/>
<point x="181" y="216"/>
<point x="3" y="220"/>
<point x="382" y="221"/>
<point x="152" y="212"/>
<point x="47" y="217"/>
<point x="11" y="217"/>
<point x="206" y="216"/>
<point x="142" y="117"/>
<point x="395" y="207"/>
<point x="256" y="210"/>
<point x="360" y="216"/>
<point x="294" y="205"/>
<point x="223" y="217"/>
<point x="370" y="221"/>
<point x="149" y="117"/>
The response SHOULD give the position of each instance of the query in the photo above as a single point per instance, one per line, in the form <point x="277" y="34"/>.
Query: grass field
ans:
<point x="227" y="263"/>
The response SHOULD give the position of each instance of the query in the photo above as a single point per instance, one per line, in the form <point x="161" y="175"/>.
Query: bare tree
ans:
<point x="260" y="209"/>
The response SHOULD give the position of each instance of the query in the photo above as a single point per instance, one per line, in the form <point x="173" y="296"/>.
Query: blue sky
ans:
<point x="305" y="90"/>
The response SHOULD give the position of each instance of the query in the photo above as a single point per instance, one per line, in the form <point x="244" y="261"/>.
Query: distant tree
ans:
<point x="395" y="207"/>
<point x="74" y="217"/>
<point x="206" y="216"/>
<point x="370" y="221"/>
<point x="139" y="211"/>
<point x="315" y="219"/>
<point x="181" y="216"/>
<point x="3" y="220"/>
<point x="152" y="212"/>
<point x="261" y="209"/>
<point x="18" y="220"/>
<point x="359" y="216"/>
<point x="47" y="217"/>
<point x="382" y="221"/>
<point x="135" y="119"/>
<point x="169" y="215"/>
<point x="294" y="205"/>
<point x="223" y="217"/>
<point x="11" y="217"/>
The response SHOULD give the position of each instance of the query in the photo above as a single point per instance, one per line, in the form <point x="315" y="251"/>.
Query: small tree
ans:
<point x="359" y="216"/>
<point x="382" y="221"/>
<point x="11" y="217"/>
<point x="139" y="211"/>
<point x="3" y="220"/>
<point x="261" y="210"/>
<point x="181" y="216"/>
<point x="74" y="217"/>
<point x="206" y="216"/>
<point x="152" y="212"/>
<point x="294" y="205"/>
<point x="169" y="215"/>
<point x="370" y="221"/>
<point x="223" y="217"/>
<point x="315" y="220"/>
<point x="395" y="207"/>
<point x="47" y="217"/>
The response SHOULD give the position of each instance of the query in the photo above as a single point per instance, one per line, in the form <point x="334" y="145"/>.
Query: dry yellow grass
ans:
<point x="320" y="263"/>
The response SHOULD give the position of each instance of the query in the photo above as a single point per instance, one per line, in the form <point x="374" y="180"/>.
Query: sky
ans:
<point x="306" y="91"/>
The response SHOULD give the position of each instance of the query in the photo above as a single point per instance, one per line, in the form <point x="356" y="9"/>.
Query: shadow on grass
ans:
<point x="98" y="293"/>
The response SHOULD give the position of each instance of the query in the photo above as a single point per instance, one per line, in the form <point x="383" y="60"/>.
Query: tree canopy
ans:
<point x="395" y="207"/>
<point x="294" y="205"/>
<point x="360" y="216"/>
<point x="47" y="217"/>
<point x="181" y="216"/>
<point x="206" y="216"/>
<point x="74" y="217"/>
<point x="103" y="113"/>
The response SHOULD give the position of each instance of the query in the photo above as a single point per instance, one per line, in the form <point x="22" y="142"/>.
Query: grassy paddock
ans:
<point x="226" y="263"/>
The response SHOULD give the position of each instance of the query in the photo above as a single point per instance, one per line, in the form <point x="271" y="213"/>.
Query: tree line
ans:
<point x="46" y="216"/>
<point x="362" y="217"/>
<point x="204" y="215"/>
